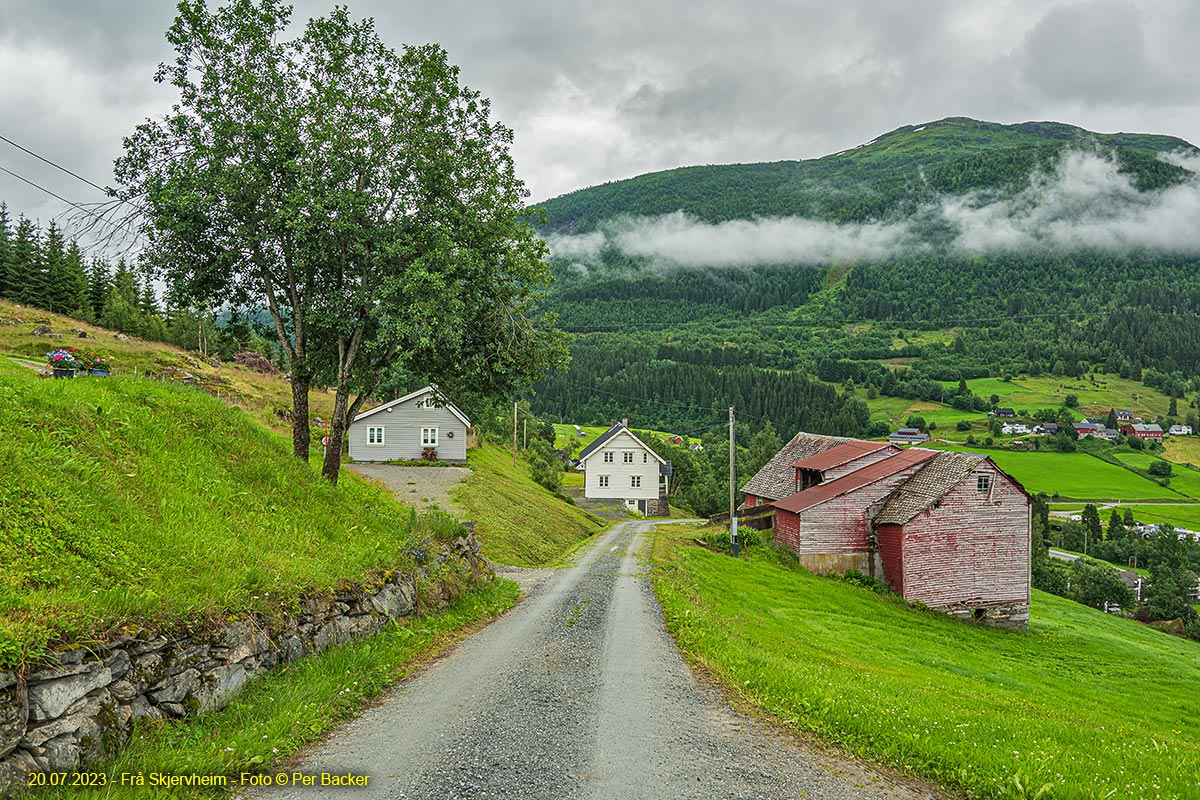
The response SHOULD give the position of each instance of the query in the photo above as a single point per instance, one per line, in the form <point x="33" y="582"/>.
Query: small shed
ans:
<point x="423" y="425"/>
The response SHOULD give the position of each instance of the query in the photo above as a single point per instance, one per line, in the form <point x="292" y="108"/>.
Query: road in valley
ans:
<point x="577" y="693"/>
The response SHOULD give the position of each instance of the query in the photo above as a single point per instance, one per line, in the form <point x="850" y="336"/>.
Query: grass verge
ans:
<point x="1083" y="705"/>
<point x="282" y="712"/>
<point x="517" y="521"/>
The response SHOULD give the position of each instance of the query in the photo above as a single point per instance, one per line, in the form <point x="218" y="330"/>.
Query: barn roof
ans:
<point x="777" y="478"/>
<point x="931" y="483"/>
<point x="854" y="480"/>
<point x="841" y="454"/>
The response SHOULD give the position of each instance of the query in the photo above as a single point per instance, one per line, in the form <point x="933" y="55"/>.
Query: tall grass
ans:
<point x="1083" y="705"/>
<point x="126" y="503"/>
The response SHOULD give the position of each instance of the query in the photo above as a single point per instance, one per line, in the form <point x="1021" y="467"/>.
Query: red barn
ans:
<point x="1151" y="432"/>
<point x="826" y="525"/>
<point x="956" y="537"/>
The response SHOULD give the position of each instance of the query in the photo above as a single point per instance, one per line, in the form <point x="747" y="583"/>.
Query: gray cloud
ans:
<point x="1085" y="202"/>
<point x="609" y="90"/>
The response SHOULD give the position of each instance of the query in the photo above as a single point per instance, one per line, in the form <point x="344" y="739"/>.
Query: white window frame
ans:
<point x="602" y="481"/>
<point x="608" y="456"/>
<point x="628" y="458"/>
<point x="983" y="484"/>
<point x="375" y="436"/>
<point x="635" y="481"/>
<point x="429" y="437"/>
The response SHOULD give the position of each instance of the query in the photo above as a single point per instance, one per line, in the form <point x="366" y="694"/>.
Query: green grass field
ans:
<point x="1180" y="516"/>
<point x="1095" y="398"/>
<point x="517" y="521"/>
<point x="132" y="502"/>
<point x="1073" y="475"/>
<point x="1082" y="706"/>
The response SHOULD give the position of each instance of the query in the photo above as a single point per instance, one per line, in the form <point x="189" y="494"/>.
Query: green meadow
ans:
<point x="1073" y="475"/>
<point x="1081" y="706"/>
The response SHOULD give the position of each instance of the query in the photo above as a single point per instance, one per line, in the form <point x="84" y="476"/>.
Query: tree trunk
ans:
<point x="300" y="435"/>
<point x="337" y="436"/>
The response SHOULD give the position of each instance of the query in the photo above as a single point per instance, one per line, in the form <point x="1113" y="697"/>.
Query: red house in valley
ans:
<point x="949" y="530"/>
<point x="1150" y="432"/>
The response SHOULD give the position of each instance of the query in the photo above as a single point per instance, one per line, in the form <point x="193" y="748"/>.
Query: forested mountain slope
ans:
<point x="953" y="249"/>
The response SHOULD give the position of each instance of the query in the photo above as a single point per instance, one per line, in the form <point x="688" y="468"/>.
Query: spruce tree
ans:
<point x="75" y="282"/>
<point x="5" y="248"/>
<point x="57" y="293"/>
<point x="121" y="305"/>
<point x="24" y="266"/>
<point x="98" y="285"/>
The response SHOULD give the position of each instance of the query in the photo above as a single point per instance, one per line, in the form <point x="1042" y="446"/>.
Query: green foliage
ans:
<point x="544" y="466"/>
<point x="1159" y="468"/>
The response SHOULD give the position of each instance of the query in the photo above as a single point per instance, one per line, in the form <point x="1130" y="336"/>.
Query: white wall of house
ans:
<point x="402" y="432"/>
<point x="609" y="474"/>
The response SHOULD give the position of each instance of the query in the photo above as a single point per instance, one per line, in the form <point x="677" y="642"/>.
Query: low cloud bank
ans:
<point x="1085" y="202"/>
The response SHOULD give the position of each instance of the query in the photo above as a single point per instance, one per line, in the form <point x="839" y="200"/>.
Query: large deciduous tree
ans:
<point x="362" y="195"/>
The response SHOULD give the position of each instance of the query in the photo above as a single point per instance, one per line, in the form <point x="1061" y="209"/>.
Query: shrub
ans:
<point x="962" y="425"/>
<point x="1160" y="469"/>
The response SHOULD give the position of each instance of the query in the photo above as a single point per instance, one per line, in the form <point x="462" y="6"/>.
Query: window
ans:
<point x="635" y="481"/>
<point x="603" y="481"/>
<point x="983" y="484"/>
<point x="608" y="458"/>
<point x="374" y="435"/>
<point x="429" y="437"/>
<point x="628" y="457"/>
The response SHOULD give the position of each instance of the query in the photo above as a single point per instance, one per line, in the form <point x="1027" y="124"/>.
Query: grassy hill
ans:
<point x="1083" y="705"/>
<point x="130" y="503"/>
<point x="517" y="521"/>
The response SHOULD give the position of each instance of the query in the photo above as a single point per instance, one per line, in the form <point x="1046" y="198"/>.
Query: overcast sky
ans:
<point x="602" y="91"/>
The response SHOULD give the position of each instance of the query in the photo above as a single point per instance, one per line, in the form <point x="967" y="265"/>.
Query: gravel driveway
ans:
<point x="577" y="693"/>
<point x="416" y="486"/>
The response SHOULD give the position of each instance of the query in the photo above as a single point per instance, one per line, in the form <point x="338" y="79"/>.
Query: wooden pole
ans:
<point x="514" y="433"/>
<point x="733" y="542"/>
<point x="524" y="434"/>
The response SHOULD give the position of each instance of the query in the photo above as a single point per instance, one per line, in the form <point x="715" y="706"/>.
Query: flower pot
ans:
<point x="64" y="372"/>
<point x="99" y="373"/>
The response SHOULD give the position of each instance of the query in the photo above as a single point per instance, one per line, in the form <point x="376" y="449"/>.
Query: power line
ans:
<point x="98" y="217"/>
<point x="77" y="176"/>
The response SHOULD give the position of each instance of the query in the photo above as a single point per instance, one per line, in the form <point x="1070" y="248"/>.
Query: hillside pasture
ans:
<point x="1183" y="479"/>
<point x="1096" y="396"/>
<point x="1082" y="706"/>
<point x="1072" y="475"/>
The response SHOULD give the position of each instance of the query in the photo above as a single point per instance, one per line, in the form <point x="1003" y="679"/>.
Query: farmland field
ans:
<point x="1060" y="711"/>
<point x="1076" y="475"/>
<point x="1182" y="449"/>
<point x="1181" y="516"/>
<point x="1184" y="480"/>
<point x="1095" y="397"/>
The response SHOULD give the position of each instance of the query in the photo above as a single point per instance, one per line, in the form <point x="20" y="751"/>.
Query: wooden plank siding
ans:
<point x="836" y="527"/>
<point x="969" y="550"/>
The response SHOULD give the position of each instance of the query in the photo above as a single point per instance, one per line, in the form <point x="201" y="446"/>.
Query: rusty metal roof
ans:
<point x="778" y="478"/>
<point x="931" y="483"/>
<point x="871" y="473"/>
<point x="841" y="454"/>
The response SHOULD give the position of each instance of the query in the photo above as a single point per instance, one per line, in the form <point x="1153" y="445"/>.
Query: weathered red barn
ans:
<point x="949" y="530"/>
<point x="826" y="525"/>
<point x="955" y="536"/>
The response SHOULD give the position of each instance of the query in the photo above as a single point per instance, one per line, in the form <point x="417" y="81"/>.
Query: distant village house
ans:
<point x="1149" y="432"/>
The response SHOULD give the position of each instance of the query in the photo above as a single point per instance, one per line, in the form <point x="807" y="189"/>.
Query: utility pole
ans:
<point x="514" y="433"/>
<point x="733" y="542"/>
<point x="525" y="434"/>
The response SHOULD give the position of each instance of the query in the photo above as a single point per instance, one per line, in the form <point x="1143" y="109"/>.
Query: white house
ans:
<point x="620" y="466"/>
<point x="421" y="425"/>
<point x="1180" y="430"/>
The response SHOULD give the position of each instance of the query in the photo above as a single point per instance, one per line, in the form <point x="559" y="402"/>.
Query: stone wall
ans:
<point x="62" y="716"/>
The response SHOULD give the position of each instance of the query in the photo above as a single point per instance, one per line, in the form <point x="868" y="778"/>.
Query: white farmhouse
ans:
<point x="421" y="425"/>
<point x="620" y="466"/>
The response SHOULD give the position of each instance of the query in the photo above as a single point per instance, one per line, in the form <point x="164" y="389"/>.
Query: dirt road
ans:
<point x="577" y="693"/>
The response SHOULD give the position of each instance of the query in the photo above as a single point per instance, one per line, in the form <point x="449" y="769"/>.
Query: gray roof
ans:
<point x="600" y="440"/>
<point x="777" y="479"/>
<point x="443" y="402"/>
<point x="931" y="483"/>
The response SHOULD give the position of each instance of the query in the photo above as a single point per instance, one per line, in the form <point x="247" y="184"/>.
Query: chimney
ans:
<point x="625" y="422"/>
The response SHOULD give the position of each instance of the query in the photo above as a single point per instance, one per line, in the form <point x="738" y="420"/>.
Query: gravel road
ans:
<point x="577" y="693"/>
<point x="416" y="486"/>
